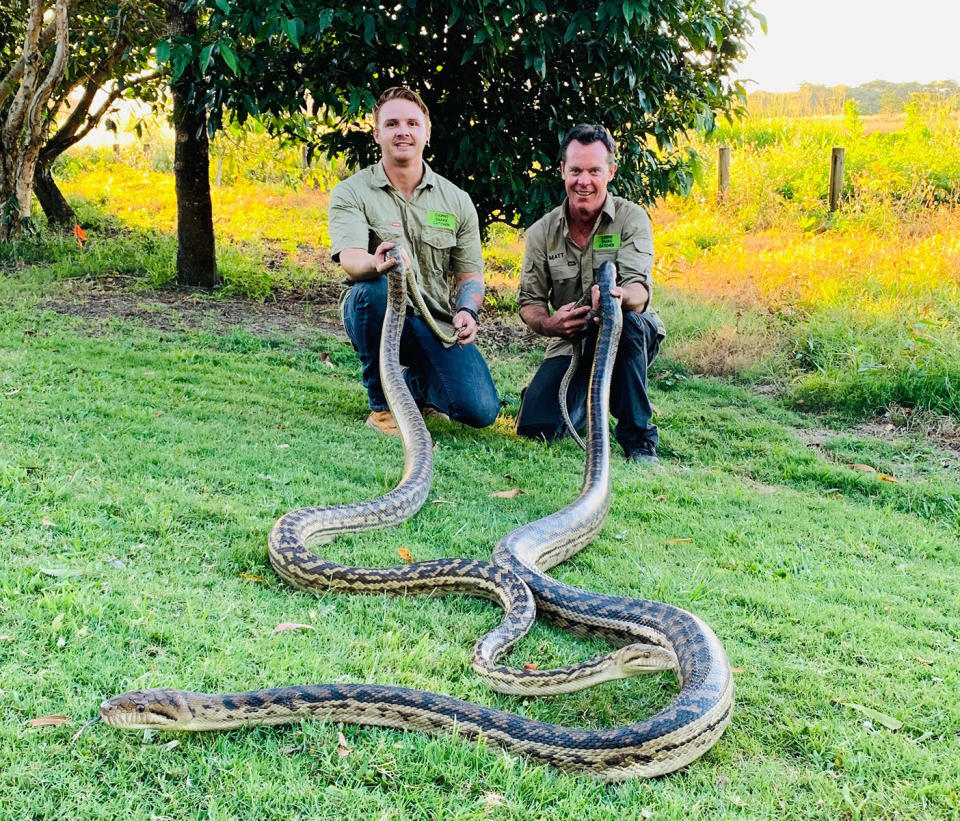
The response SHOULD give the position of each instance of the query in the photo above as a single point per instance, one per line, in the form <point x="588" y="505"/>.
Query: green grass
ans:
<point x="141" y="470"/>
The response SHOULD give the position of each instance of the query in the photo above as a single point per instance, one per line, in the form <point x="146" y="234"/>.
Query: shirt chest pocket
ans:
<point x="435" y="247"/>
<point x="565" y="281"/>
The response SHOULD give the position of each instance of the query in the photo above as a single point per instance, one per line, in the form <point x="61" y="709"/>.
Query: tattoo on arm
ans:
<point x="470" y="295"/>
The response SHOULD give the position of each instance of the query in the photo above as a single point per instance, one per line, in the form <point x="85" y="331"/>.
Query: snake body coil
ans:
<point x="649" y="635"/>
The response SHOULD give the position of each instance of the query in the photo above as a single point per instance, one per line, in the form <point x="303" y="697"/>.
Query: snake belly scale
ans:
<point x="648" y="635"/>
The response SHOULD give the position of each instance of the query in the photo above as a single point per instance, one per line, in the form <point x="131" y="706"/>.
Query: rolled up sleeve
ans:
<point x="534" y="278"/>
<point x="635" y="258"/>
<point x="347" y="222"/>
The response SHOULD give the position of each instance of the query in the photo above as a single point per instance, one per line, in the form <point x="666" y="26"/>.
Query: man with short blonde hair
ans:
<point x="402" y="202"/>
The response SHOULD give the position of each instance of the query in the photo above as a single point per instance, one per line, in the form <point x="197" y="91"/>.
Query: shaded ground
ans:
<point x="296" y="314"/>
<point x="303" y="314"/>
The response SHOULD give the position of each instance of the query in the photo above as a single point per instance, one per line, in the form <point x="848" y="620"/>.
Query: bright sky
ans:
<point x="851" y="42"/>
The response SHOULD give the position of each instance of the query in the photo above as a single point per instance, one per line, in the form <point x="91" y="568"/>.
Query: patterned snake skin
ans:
<point x="650" y="635"/>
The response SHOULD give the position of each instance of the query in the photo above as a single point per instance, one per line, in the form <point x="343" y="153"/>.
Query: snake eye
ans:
<point x="140" y="708"/>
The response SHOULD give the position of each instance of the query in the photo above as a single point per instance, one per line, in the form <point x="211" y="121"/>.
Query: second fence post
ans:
<point x="723" y="171"/>
<point x="836" y="178"/>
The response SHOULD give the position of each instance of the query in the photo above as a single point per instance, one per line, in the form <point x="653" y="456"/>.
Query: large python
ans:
<point x="650" y="635"/>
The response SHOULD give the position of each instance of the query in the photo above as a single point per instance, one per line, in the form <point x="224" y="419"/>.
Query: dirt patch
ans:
<point x="299" y="314"/>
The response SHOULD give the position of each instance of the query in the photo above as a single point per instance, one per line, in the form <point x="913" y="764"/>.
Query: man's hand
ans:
<point x="567" y="321"/>
<point x="467" y="326"/>
<point x="616" y="292"/>
<point x="358" y="265"/>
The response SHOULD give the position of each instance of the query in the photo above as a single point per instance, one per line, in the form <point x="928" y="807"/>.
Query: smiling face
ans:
<point x="586" y="170"/>
<point x="402" y="132"/>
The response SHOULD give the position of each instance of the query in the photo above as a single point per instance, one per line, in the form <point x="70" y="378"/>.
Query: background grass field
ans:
<point x="147" y="452"/>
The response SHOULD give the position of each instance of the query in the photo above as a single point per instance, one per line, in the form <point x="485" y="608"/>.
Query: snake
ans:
<point x="648" y="636"/>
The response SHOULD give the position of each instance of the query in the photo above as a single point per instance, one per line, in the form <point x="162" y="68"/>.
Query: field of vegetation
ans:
<point x="807" y="506"/>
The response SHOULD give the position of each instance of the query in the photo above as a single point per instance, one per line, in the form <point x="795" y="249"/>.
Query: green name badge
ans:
<point x="603" y="242"/>
<point x="440" y="220"/>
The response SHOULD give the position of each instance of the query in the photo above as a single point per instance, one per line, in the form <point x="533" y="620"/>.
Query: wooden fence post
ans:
<point x="723" y="171"/>
<point x="836" y="178"/>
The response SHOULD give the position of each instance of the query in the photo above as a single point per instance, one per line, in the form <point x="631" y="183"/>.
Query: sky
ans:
<point x="851" y="42"/>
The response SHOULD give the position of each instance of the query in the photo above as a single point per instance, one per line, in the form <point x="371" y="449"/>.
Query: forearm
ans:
<point x="537" y="318"/>
<point x="635" y="297"/>
<point x="358" y="264"/>
<point x="469" y="293"/>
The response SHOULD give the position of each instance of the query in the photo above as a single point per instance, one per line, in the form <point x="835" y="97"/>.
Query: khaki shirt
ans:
<point x="438" y="228"/>
<point x="556" y="271"/>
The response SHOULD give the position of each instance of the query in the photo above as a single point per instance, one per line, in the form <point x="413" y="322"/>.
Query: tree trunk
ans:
<point x="54" y="205"/>
<point x="196" y="258"/>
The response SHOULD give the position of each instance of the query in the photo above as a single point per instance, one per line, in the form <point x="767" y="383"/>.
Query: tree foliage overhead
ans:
<point x="504" y="79"/>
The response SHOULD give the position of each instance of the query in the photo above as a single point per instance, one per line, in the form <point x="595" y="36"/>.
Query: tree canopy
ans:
<point x="504" y="80"/>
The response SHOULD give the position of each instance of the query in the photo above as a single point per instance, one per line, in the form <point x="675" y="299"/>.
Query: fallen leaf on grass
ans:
<point x="405" y="554"/>
<point x="442" y="502"/>
<point x="679" y="541"/>
<point x="883" y="719"/>
<point x="925" y="662"/>
<point x="492" y="799"/>
<point x="531" y="665"/>
<point x="60" y="572"/>
<point x="342" y="749"/>
<point x="861" y="466"/>
<point x="506" y="494"/>
<point x="253" y="577"/>
<point x="738" y="670"/>
<point x="325" y="359"/>
<point x="49" y="721"/>
<point x="286" y="626"/>
<point x="883" y="477"/>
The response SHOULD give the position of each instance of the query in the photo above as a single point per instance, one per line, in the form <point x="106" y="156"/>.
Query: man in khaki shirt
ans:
<point x="401" y="201"/>
<point x="563" y="251"/>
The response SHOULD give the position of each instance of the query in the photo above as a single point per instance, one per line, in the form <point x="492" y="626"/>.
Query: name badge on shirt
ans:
<point x="438" y="219"/>
<point x="606" y="242"/>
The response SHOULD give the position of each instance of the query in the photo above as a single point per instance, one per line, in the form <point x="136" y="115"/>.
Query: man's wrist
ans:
<point x="473" y="313"/>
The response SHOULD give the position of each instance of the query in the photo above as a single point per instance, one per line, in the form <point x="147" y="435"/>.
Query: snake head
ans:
<point x="157" y="709"/>
<point x="638" y="659"/>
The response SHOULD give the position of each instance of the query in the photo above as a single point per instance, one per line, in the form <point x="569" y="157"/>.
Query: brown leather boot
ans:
<point x="384" y="422"/>
<point x="428" y="412"/>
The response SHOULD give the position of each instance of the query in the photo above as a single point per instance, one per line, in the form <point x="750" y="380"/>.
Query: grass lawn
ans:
<point x="143" y="460"/>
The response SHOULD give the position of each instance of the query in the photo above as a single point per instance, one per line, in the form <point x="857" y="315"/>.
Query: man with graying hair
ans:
<point x="402" y="202"/>
<point x="563" y="252"/>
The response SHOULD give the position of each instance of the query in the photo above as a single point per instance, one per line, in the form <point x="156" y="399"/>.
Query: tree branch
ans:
<point x="13" y="76"/>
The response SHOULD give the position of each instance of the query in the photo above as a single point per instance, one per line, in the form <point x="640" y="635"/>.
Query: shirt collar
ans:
<point x="609" y="210"/>
<point x="381" y="180"/>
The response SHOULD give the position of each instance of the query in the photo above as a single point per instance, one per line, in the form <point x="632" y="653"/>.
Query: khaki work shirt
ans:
<point x="438" y="228"/>
<point x="556" y="271"/>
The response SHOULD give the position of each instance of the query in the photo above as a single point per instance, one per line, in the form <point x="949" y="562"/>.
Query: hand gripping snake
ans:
<point x="649" y="635"/>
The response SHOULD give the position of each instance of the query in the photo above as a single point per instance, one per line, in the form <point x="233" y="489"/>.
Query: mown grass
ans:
<point x="141" y="471"/>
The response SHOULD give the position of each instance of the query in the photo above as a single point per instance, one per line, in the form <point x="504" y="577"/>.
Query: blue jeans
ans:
<point x="540" y="416"/>
<point x="455" y="380"/>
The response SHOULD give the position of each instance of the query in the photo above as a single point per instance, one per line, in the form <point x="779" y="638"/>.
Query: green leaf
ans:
<point x="369" y="29"/>
<point x="163" y="51"/>
<point x="324" y="19"/>
<point x="230" y="58"/>
<point x="205" y="56"/>
<point x="291" y="29"/>
<point x="876" y="716"/>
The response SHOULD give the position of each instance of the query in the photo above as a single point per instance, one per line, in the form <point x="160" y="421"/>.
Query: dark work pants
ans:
<point x="540" y="416"/>
<point x="455" y="380"/>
